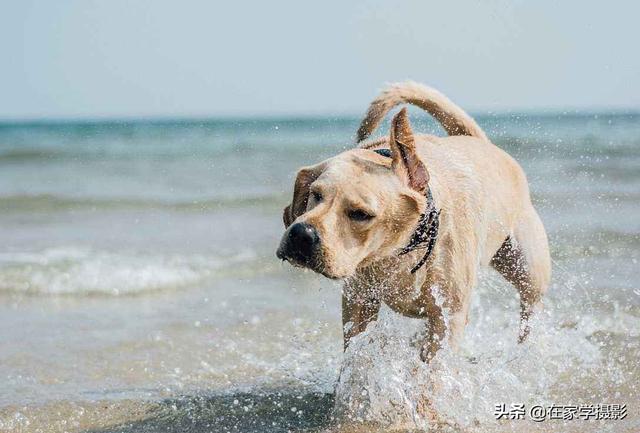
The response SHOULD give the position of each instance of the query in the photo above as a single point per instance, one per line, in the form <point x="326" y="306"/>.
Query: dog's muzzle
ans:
<point x="300" y="245"/>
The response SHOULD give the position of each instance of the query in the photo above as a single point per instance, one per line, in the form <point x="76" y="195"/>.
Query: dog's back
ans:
<point x="483" y="190"/>
<point x="483" y="183"/>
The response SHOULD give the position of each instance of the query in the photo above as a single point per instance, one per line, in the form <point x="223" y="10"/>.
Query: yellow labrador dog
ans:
<point x="407" y="220"/>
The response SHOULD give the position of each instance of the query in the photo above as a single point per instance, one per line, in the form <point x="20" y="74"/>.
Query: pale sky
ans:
<point x="125" y="58"/>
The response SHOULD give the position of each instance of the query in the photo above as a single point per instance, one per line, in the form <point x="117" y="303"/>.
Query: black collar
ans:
<point x="426" y="233"/>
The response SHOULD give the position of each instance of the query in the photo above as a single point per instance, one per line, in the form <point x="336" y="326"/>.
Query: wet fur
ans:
<point x="487" y="218"/>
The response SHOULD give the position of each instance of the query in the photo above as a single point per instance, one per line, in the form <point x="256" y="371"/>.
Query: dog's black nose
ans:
<point x="301" y="243"/>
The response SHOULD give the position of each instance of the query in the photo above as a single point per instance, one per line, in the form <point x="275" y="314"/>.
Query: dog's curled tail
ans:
<point x="452" y="118"/>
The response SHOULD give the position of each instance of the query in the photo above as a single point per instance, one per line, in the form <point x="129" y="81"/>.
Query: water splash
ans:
<point x="384" y="381"/>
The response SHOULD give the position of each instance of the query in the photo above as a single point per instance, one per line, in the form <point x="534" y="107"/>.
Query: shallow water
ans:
<point x="139" y="289"/>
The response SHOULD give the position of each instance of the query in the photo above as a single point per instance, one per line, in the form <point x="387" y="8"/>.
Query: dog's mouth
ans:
<point x="299" y="261"/>
<point x="313" y="264"/>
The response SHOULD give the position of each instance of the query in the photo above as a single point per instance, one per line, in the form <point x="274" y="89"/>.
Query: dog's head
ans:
<point x="356" y="207"/>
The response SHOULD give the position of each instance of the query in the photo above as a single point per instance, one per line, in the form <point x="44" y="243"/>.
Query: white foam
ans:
<point x="384" y="381"/>
<point x="74" y="270"/>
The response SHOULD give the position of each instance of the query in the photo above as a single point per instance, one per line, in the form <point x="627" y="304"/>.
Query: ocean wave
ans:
<point x="81" y="271"/>
<point x="52" y="203"/>
<point x="595" y="243"/>
<point x="29" y="154"/>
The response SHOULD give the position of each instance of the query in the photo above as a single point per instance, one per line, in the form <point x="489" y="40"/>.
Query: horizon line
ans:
<point x="344" y="116"/>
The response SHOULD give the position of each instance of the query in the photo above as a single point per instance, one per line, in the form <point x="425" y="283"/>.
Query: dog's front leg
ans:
<point x="360" y="305"/>
<point x="436" y="329"/>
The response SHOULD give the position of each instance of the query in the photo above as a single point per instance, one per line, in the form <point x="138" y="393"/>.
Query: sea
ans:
<point x="140" y="292"/>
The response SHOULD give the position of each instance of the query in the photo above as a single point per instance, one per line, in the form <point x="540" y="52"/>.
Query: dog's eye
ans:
<point x="317" y="197"/>
<point x="359" y="215"/>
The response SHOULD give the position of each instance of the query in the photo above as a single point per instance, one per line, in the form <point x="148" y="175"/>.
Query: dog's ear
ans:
<point x="306" y="176"/>
<point x="406" y="163"/>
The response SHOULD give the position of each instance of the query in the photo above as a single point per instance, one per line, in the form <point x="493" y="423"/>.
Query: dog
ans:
<point x="408" y="219"/>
